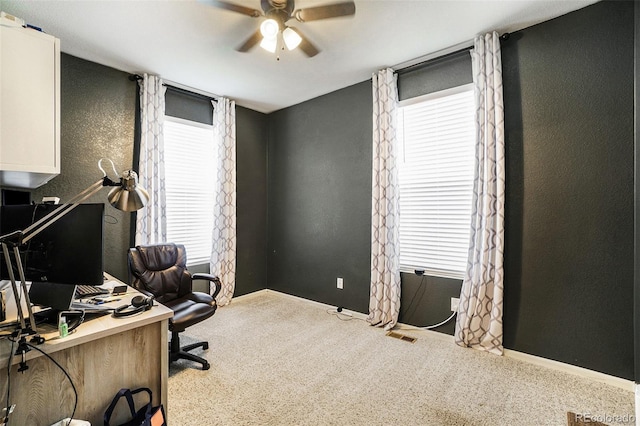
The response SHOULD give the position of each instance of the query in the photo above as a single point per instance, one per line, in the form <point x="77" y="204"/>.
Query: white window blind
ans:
<point x="190" y="175"/>
<point x="436" y="171"/>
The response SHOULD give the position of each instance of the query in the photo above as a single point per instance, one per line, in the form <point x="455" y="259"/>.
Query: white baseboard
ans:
<point x="347" y="312"/>
<point x="597" y="376"/>
<point x="637" y="401"/>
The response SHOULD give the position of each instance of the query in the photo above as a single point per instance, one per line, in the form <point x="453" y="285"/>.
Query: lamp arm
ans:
<point x="14" y="285"/>
<point x="61" y="211"/>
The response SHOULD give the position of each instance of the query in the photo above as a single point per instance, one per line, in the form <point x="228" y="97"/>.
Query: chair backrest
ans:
<point x="160" y="269"/>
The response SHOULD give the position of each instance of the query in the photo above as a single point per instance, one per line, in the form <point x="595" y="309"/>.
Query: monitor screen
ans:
<point x="69" y="251"/>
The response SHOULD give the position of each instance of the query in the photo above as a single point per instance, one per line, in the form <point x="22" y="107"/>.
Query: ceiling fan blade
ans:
<point x="324" y="12"/>
<point x="254" y="39"/>
<point x="254" y="13"/>
<point x="306" y="46"/>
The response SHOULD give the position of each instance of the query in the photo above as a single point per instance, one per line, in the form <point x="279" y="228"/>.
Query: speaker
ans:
<point x="139" y="304"/>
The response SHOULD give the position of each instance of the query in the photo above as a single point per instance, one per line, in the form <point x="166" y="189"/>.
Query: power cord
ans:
<point x="75" y="391"/>
<point x="342" y="316"/>
<point x="429" y="327"/>
<point x="420" y="286"/>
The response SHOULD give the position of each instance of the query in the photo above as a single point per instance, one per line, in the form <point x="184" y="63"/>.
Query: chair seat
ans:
<point x="190" y="309"/>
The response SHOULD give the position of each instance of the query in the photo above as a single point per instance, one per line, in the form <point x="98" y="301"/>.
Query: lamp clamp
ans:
<point x="13" y="239"/>
<point x="106" y="181"/>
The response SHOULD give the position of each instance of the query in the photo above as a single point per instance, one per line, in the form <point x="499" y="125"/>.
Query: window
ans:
<point x="190" y="175"/>
<point x="436" y="172"/>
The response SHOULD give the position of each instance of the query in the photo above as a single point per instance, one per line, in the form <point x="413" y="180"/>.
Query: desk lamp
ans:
<point x="126" y="195"/>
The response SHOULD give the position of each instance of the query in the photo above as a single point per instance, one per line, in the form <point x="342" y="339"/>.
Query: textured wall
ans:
<point x="251" y="156"/>
<point x="568" y="86"/>
<point x="97" y="120"/>
<point x="320" y="198"/>
<point x="636" y="309"/>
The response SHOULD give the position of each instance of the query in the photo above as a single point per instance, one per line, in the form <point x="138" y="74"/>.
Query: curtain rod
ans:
<point x="435" y="58"/>
<point x="176" y="88"/>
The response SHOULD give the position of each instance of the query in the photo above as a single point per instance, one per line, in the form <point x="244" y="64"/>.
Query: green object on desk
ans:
<point x="63" y="327"/>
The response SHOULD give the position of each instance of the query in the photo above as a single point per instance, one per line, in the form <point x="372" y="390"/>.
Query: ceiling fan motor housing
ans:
<point x="278" y="10"/>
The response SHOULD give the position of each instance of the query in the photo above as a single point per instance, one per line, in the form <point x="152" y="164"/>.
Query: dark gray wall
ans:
<point x="636" y="310"/>
<point x="97" y="106"/>
<point x="320" y="198"/>
<point x="568" y="86"/>
<point x="251" y="157"/>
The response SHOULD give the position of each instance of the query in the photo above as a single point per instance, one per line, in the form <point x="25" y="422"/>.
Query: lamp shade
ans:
<point x="269" y="44"/>
<point x="269" y="28"/>
<point x="291" y="38"/>
<point x="129" y="196"/>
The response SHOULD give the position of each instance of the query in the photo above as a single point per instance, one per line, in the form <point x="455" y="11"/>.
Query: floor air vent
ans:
<point x="401" y="337"/>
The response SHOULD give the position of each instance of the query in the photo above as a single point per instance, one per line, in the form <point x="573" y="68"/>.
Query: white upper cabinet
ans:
<point x="29" y="107"/>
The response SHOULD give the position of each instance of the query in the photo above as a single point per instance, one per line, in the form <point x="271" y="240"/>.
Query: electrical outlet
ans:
<point x="340" y="283"/>
<point x="454" y="304"/>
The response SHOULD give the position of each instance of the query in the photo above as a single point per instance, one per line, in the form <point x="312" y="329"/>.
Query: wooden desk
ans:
<point x="101" y="356"/>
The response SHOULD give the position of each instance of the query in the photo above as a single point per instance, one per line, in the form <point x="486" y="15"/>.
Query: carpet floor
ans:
<point x="279" y="360"/>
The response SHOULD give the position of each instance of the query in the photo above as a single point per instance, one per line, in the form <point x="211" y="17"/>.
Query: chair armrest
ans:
<point x="212" y="279"/>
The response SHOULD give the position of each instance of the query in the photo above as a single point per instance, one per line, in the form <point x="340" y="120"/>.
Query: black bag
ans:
<point x="148" y="415"/>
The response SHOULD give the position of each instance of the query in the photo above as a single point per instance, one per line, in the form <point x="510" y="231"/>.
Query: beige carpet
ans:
<point x="278" y="360"/>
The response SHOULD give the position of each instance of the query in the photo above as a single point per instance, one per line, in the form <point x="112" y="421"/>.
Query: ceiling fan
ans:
<point x="277" y="14"/>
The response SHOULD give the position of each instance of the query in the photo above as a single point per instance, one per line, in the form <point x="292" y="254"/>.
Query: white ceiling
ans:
<point x="190" y="43"/>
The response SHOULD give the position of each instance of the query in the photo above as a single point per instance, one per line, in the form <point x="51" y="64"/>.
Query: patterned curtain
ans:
<point x="384" y="300"/>
<point x="151" y="222"/>
<point x="223" y="250"/>
<point x="479" y="322"/>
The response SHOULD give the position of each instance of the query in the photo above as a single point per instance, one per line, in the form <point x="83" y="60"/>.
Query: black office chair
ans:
<point x="160" y="270"/>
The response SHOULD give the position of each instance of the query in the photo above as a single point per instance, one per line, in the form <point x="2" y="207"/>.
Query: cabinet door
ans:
<point x="29" y="101"/>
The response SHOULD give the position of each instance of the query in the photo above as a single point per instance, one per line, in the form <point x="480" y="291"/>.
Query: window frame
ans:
<point x="435" y="270"/>
<point x="192" y="258"/>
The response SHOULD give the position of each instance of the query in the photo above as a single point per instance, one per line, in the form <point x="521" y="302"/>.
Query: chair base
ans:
<point x="176" y="352"/>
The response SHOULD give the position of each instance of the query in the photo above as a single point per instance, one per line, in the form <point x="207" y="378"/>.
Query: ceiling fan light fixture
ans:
<point x="269" y="28"/>
<point x="269" y="44"/>
<point x="291" y="38"/>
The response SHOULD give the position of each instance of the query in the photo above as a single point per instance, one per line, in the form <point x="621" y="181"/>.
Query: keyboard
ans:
<point x="83" y="291"/>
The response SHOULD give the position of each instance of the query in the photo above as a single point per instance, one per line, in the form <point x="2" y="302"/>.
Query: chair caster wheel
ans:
<point x="206" y="366"/>
<point x="205" y="346"/>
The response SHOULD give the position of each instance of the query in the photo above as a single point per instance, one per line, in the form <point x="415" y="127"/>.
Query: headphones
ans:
<point x="139" y="304"/>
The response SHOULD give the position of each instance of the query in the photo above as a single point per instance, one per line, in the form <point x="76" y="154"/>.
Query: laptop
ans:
<point x="52" y="295"/>
<point x="59" y="297"/>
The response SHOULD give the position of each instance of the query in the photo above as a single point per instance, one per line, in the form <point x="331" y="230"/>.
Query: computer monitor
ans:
<point x="69" y="251"/>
